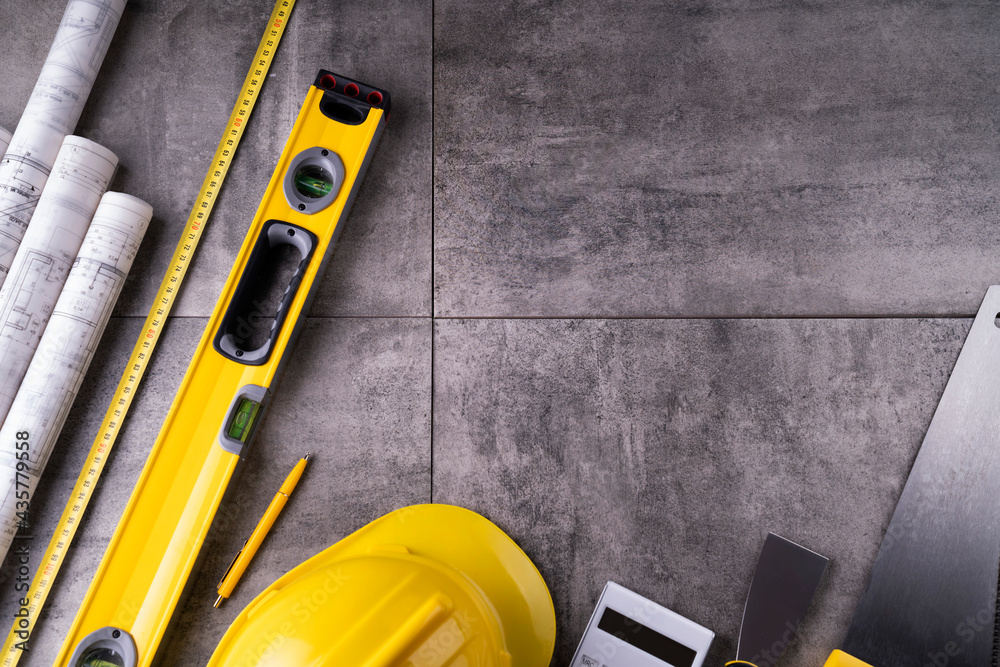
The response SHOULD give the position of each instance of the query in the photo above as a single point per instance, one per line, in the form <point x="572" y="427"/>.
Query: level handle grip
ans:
<point x="250" y="312"/>
<point x="840" y="659"/>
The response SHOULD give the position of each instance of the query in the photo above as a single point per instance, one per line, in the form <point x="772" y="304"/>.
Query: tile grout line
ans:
<point x="667" y="318"/>
<point x="556" y="318"/>
<point x="433" y="206"/>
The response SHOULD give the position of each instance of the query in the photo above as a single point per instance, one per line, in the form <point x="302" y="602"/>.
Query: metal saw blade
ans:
<point x="932" y="593"/>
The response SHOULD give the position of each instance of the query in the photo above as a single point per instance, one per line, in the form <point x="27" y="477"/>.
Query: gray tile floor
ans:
<point x="638" y="282"/>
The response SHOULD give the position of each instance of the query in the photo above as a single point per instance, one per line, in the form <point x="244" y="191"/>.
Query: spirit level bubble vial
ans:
<point x="225" y="393"/>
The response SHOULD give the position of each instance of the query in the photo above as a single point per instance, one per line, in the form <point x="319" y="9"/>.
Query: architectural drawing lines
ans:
<point x="68" y="344"/>
<point x="52" y="112"/>
<point x="40" y="268"/>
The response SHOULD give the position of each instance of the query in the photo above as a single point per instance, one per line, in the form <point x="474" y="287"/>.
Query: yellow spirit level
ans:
<point x="226" y="390"/>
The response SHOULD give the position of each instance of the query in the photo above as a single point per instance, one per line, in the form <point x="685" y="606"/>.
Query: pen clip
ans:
<point x="230" y="568"/>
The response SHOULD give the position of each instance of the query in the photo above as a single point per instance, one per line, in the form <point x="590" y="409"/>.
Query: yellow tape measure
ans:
<point x="97" y="457"/>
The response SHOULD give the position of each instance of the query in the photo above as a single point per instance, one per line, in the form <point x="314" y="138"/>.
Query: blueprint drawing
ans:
<point x="79" y="178"/>
<point x="52" y="112"/>
<point x="67" y="347"/>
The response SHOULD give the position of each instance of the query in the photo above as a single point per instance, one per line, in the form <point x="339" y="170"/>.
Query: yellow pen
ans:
<point x="239" y="564"/>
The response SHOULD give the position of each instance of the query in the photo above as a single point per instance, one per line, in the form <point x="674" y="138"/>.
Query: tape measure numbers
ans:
<point x="41" y="585"/>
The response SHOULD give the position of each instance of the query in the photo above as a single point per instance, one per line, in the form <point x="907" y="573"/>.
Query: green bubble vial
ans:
<point x="242" y="423"/>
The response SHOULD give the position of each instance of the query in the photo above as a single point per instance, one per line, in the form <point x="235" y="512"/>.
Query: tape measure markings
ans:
<point x="97" y="456"/>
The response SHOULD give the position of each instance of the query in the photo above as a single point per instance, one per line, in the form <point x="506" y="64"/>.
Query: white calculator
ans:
<point x="627" y="630"/>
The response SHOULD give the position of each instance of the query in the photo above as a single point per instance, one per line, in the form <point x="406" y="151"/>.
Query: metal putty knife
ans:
<point x="783" y="585"/>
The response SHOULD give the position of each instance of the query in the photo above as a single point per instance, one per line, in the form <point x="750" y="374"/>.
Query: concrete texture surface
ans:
<point x="712" y="158"/>
<point x="659" y="453"/>
<point x="637" y="282"/>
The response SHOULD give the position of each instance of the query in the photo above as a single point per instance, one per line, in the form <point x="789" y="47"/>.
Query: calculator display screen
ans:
<point x="646" y="639"/>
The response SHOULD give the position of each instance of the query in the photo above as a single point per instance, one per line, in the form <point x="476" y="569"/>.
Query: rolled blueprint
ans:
<point x="52" y="111"/>
<point x="53" y="379"/>
<point x="5" y="136"/>
<point x="79" y="178"/>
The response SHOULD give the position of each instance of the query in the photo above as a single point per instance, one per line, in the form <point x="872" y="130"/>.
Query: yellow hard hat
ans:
<point x="424" y="586"/>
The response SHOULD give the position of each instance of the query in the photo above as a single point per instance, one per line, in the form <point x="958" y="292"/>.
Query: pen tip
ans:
<point x="308" y="454"/>
<point x="218" y="601"/>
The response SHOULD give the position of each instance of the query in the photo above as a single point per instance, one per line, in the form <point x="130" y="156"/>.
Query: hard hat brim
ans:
<point x="464" y="541"/>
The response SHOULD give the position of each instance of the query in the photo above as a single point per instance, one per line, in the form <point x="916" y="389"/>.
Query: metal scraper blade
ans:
<point x="931" y="596"/>
<point x="783" y="585"/>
